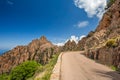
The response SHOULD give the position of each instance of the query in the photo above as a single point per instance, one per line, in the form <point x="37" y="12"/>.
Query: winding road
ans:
<point x="75" y="66"/>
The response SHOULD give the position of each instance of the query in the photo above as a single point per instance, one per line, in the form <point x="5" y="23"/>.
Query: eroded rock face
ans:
<point x="108" y="28"/>
<point x="81" y="44"/>
<point x="105" y="55"/>
<point x="111" y="18"/>
<point x="40" y="50"/>
<point x="69" y="46"/>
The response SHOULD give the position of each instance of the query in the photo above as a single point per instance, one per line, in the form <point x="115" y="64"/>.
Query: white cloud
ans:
<point x="82" y="24"/>
<point x="92" y="7"/>
<point x="72" y="38"/>
<point x="82" y="37"/>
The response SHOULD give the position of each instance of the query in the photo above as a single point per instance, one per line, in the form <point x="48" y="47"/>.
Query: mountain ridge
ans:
<point x="107" y="32"/>
<point x="103" y="44"/>
<point x="94" y="45"/>
<point x="40" y="50"/>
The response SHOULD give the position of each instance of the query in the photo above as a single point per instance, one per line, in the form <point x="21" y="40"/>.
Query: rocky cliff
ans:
<point x="69" y="46"/>
<point x="111" y="18"/>
<point x="40" y="50"/>
<point x="103" y="44"/>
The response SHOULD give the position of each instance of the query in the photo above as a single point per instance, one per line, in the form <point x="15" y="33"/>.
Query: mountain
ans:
<point x="3" y="50"/>
<point x="40" y="50"/>
<point x="103" y="44"/>
<point x="69" y="46"/>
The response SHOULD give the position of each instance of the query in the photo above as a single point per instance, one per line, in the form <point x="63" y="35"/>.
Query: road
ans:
<point x="75" y="66"/>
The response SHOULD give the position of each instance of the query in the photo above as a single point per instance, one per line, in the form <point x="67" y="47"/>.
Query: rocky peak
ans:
<point x="111" y="18"/>
<point x="39" y="42"/>
<point x="108" y="28"/>
<point x="70" y="46"/>
<point x="40" y="50"/>
<point x="43" y="38"/>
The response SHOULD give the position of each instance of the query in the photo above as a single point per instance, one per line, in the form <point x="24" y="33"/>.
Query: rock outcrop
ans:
<point x="69" y="46"/>
<point x="40" y="50"/>
<point x="108" y="28"/>
<point x="111" y="18"/>
<point x="106" y="55"/>
<point x="81" y="44"/>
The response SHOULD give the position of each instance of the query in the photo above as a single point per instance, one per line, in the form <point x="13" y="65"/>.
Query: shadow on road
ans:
<point x="112" y="74"/>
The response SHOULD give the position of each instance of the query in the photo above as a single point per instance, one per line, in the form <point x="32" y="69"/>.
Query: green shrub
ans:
<point x="111" y="43"/>
<point x="4" y="77"/>
<point x="114" y="68"/>
<point x="25" y="70"/>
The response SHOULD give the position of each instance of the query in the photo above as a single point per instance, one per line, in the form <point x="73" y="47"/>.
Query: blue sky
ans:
<point x="24" y="20"/>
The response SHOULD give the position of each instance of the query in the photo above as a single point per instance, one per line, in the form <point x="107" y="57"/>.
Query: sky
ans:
<point x="21" y="21"/>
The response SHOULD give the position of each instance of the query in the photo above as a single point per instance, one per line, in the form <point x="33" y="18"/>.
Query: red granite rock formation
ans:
<point x="108" y="28"/>
<point x="40" y="50"/>
<point x="111" y="18"/>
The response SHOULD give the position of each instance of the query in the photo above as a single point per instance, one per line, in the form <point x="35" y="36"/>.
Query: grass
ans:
<point x="47" y="69"/>
<point x="4" y="77"/>
<point x="111" y="43"/>
<point x="44" y="71"/>
<point x="113" y="68"/>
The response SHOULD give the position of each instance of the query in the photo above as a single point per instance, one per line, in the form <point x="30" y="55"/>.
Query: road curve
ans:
<point x="75" y="66"/>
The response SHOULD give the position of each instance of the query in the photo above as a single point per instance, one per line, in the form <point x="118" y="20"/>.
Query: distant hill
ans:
<point x="40" y="50"/>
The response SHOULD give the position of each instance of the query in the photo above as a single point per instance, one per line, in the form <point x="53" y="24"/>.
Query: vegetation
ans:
<point x="4" y="77"/>
<point x="48" y="68"/>
<point x="111" y="43"/>
<point x="25" y="70"/>
<point x="110" y="2"/>
<point x="29" y="69"/>
<point x="113" y="68"/>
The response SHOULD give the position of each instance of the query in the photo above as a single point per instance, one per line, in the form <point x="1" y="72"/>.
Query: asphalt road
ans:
<point x="75" y="66"/>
